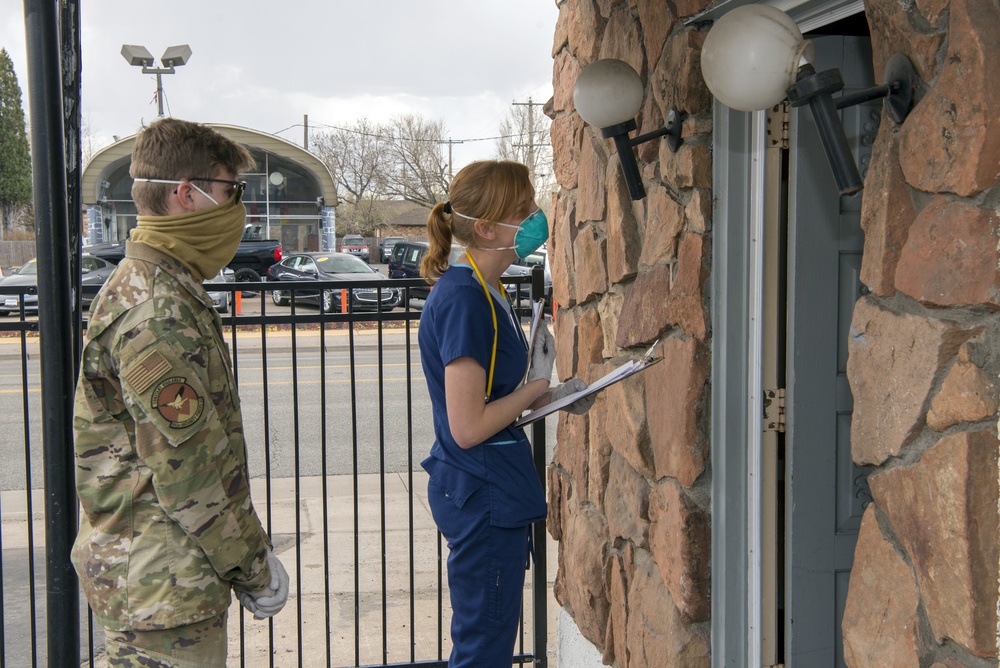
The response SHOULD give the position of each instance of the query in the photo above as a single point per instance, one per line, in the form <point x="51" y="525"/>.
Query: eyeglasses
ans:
<point x="237" y="186"/>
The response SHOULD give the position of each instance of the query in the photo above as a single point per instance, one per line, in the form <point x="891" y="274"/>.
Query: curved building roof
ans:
<point x="105" y="161"/>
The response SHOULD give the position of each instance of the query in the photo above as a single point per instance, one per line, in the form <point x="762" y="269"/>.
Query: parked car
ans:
<point x="222" y="300"/>
<point x="522" y="267"/>
<point x="406" y="257"/>
<point x="356" y="245"/>
<point x="93" y="273"/>
<point x="385" y="248"/>
<point x="331" y="267"/>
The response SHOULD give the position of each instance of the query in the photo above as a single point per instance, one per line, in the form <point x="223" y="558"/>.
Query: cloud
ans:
<point x="266" y="64"/>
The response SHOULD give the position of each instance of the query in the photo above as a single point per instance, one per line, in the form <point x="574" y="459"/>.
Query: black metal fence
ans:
<point x="337" y="419"/>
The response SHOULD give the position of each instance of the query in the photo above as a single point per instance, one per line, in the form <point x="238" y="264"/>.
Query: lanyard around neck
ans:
<point x="493" y="313"/>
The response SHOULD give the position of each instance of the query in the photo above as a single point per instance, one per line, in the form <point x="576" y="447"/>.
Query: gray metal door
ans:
<point x="825" y="492"/>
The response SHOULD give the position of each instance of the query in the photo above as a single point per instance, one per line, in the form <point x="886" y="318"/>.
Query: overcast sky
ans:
<point x="264" y="65"/>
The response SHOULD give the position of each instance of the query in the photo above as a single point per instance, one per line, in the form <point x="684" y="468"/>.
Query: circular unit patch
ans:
<point x="177" y="402"/>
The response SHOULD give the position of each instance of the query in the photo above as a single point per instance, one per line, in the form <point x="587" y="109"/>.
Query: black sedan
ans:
<point x="94" y="271"/>
<point x="331" y="267"/>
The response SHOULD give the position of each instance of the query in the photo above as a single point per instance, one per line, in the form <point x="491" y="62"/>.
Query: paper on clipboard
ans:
<point x="618" y="374"/>
<point x="537" y="309"/>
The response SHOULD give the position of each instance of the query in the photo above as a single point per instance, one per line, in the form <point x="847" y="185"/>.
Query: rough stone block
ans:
<point x="561" y="251"/>
<point x="585" y="31"/>
<point x="658" y="635"/>
<point x="599" y="463"/>
<point x="565" y="71"/>
<point x="657" y="19"/>
<point x="882" y="595"/>
<point x="677" y="80"/>
<point x="664" y="221"/>
<point x="887" y="212"/>
<point x="950" y="257"/>
<point x="621" y="39"/>
<point x="580" y="582"/>
<point x="629" y="435"/>
<point x="892" y="362"/>
<point x="687" y="295"/>
<point x="943" y="509"/>
<point x="624" y="245"/>
<point x="951" y="140"/>
<point x="966" y="395"/>
<point x="680" y="540"/>
<point x="690" y="167"/>
<point x="565" y="334"/>
<point x="676" y="396"/>
<point x="591" y="273"/>
<point x="590" y="197"/>
<point x="698" y="212"/>
<point x="566" y="133"/>
<point x="644" y="313"/>
<point x="626" y="501"/>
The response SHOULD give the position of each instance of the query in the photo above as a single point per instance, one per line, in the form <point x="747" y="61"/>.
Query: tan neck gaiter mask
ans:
<point x="205" y="240"/>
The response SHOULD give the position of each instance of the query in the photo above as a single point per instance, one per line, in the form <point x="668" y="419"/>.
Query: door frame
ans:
<point x="737" y="453"/>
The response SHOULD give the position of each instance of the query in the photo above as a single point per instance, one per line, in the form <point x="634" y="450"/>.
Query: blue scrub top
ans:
<point x="456" y="322"/>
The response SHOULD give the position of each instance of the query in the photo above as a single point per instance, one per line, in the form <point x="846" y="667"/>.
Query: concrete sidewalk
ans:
<point x="300" y="511"/>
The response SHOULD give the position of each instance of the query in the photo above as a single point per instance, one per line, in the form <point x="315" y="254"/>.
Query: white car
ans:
<point x="222" y="300"/>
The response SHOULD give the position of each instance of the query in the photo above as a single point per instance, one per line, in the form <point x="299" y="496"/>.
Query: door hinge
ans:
<point x="777" y="126"/>
<point x="774" y="409"/>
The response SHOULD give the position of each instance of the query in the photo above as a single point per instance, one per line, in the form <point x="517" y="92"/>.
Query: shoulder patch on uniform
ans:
<point x="146" y="371"/>
<point x="177" y="402"/>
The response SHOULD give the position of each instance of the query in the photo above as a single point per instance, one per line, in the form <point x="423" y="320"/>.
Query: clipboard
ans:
<point x="617" y="375"/>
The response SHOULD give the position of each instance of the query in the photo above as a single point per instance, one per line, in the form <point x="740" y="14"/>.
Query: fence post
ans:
<point x="55" y="318"/>
<point x="539" y="580"/>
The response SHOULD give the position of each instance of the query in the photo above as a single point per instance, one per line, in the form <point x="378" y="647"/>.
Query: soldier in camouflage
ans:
<point x="168" y="527"/>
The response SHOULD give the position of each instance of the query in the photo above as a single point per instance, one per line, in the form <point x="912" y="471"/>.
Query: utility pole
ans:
<point x="305" y="131"/>
<point x="531" y="134"/>
<point x="451" y="142"/>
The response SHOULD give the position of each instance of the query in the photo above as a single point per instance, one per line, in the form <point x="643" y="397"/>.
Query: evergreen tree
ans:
<point x="15" y="159"/>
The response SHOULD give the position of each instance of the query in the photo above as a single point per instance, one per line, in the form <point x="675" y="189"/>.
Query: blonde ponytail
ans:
<point x="435" y="260"/>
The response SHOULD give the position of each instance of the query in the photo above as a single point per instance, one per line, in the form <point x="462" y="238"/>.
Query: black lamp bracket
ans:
<point x="625" y="146"/>
<point x="900" y="80"/>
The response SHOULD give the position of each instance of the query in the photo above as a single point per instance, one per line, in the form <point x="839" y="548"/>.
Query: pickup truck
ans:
<point x="253" y="258"/>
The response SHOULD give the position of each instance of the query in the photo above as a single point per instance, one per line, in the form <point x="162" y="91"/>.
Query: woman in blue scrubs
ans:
<point x="484" y="492"/>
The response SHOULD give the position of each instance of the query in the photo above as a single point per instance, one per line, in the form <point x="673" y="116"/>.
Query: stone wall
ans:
<point x="628" y="488"/>
<point x="629" y="484"/>
<point x="924" y="358"/>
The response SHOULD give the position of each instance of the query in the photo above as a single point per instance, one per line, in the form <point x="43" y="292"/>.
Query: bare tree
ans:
<point x="419" y="171"/>
<point x="359" y="157"/>
<point x="524" y="137"/>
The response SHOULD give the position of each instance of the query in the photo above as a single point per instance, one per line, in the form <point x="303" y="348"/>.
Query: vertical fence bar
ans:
<point x="354" y="473"/>
<point x="296" y="454"/>
<point x="54" y="319"/>
<point x="409" y="483"/>
<point x="28" y="502"/>
<point x="539" y="581"/>
<point x="323" y="485"/>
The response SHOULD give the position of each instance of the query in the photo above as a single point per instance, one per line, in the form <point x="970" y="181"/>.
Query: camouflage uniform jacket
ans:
<point x="168" y="525"/>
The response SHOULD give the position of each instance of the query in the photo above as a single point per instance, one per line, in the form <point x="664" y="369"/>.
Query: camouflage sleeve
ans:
<point x="182" y="405"/>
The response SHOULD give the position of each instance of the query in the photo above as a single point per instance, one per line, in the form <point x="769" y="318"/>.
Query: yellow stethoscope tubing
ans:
<point x="493" y="314"/>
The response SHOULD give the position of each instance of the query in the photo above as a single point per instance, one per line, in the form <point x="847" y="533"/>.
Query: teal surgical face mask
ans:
<point x="531" y="233"/>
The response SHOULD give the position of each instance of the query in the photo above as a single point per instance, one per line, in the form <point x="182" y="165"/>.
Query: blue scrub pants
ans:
<point x="486" y="577"/>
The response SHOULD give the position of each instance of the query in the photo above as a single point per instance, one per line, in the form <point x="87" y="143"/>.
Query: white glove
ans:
<point x="581" y="405"/>
<point x="543" y="355"/>
<point x="268" y="601"/>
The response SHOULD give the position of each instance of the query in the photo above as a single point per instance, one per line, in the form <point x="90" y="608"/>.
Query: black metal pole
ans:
<point x="539" y="579"/>
<point x="55" y="316"/>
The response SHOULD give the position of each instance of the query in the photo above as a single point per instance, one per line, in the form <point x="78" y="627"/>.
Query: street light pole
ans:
<point x="173" y="57"/>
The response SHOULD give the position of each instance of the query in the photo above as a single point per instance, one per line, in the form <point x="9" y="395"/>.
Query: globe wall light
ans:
<point x="754" y="57"/>
<point x="174" y="56"/>
<point x="608" y="94"/>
